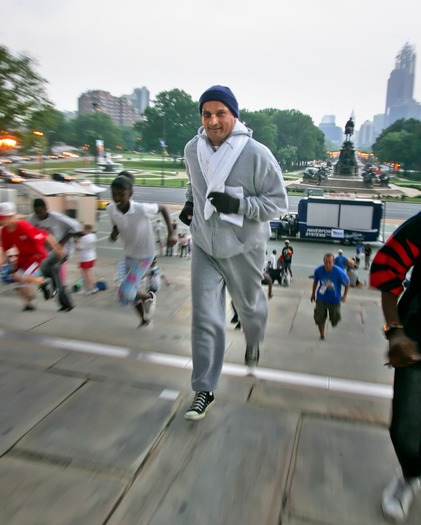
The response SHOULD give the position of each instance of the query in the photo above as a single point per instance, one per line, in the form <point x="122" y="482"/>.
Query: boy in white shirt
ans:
<point x="132" y="223"/>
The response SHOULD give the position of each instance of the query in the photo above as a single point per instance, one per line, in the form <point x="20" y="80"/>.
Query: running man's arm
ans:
<point x="172" y="238"/>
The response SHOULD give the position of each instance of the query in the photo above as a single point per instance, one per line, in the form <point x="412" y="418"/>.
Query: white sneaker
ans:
<point x="149" y="307"/>
<point x="398" y="496"/>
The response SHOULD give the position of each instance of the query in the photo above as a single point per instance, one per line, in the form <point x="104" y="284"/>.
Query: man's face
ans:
<point x="41" y="212"/>
<point x="7" y="221"/>
<point x="218" y="121"/>
<point x="328" y="261"/>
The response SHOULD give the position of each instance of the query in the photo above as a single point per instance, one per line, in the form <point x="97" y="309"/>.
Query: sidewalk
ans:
<point x="93" y="433"/>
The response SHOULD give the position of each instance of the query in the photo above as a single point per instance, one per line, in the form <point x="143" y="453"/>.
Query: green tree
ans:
<point x="298" y="130"/>
<point x="52" y="124"/>
<point x="288" y="157"/>
<point x="174" y="118"/>
<point x="264" y="130"/>
<point x="22" y="90"/>
<point x="89" y="127"/>
<point x="128" y="137"/>
<point x="400" y="143"/>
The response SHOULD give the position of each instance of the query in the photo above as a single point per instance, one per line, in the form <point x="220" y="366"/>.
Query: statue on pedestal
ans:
<point x="347" y="163"/>
<point x="349" y="129"/>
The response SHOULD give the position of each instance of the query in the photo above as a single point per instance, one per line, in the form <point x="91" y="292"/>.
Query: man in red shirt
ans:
<point x="30" y="243"/>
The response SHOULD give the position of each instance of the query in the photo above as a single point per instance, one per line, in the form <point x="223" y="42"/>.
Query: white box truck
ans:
<point x="333" y="218"/>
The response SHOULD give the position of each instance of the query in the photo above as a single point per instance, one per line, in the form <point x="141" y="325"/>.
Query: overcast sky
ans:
<point x="317" y="56"/>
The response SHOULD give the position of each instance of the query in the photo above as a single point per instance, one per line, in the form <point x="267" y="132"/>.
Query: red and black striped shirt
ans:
<point x="401" y="252"/>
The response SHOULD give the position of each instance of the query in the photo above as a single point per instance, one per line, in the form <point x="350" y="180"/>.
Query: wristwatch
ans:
<point x="389" y="328"/>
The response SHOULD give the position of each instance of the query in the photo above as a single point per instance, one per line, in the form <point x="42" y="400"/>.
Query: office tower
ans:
<point x="400" y="88"/>
<point x="331" y="131"/>
<point x="140" y="99"/>
<point x="378" y="122"/>
<point x="120" y="109"/>
<point x="366" y="134"/>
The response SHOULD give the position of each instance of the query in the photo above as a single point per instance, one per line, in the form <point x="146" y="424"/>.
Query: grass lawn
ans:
<point x="154" y="170"/>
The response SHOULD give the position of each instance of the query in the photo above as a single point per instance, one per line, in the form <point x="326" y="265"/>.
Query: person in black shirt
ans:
<point x="402" y="311"/>
<point x="286" y="255"/>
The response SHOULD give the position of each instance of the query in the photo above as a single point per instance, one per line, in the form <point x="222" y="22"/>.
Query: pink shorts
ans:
<point x="87" y="264"/>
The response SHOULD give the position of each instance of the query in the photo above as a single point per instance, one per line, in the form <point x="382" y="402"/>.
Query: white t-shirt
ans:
<point x="273" y="261"/>
<point x="86" y="247"/>
<point x="135" y="228"/>
<point x="58" y="224"/>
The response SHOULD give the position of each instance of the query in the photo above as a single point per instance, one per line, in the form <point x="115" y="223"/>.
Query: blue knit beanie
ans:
<point x="222" y="94"/>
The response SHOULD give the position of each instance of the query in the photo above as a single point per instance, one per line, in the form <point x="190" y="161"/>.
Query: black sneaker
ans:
<point x="28" y="308"/>
<point x="65" y="309"/>
<point x="201" y="403"/>
<point x="47" y="289"/>
<point x="252" y="355"/>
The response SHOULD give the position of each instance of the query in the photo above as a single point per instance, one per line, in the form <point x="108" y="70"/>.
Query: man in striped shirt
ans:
<point x="402" y="313"/>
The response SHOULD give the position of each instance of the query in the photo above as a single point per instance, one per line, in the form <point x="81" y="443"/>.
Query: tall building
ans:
<point x="120" y="109"/>
<point x="378" y="122"/>
<point x="331" y="131"/>
<point x="140" y="99"/>
<point x="366" y="134"/>
<point x="400" y="88"/>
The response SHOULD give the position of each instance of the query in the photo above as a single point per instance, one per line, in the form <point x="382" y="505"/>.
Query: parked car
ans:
<point x="102" y="204"/>
<point x="28" y="174"/>
<point x="8" y="176"/>
<point x="62" y="177"/>
<point x="310" y="171"/>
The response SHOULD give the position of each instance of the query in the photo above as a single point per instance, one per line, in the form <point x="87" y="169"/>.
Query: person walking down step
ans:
<point x="341" y="260"/>
<point x="235" y="187"/>
<point x="286" y="254"/>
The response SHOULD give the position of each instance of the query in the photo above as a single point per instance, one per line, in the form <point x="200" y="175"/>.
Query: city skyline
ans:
<point x="319" y="57"/>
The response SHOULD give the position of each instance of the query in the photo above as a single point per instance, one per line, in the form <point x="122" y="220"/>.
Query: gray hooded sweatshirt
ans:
<point x="259" y="174"/>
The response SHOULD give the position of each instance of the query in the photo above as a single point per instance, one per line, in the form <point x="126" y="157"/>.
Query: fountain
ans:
<point x="106" y="166"/>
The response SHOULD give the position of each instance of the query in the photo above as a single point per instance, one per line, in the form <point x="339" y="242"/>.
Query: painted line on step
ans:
<point x="333" y="384"/>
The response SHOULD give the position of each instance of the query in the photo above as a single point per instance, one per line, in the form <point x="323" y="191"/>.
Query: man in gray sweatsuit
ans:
<point x="235" y="188"/>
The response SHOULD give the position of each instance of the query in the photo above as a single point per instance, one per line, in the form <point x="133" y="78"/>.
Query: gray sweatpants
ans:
<point x="242" y="275"/>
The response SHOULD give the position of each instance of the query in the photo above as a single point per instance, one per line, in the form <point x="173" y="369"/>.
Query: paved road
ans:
<point x="176" y="196"/>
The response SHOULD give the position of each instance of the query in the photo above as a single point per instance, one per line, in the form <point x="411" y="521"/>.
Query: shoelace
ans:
<point x="400" y="488"/>
<point x="199" y="402"/>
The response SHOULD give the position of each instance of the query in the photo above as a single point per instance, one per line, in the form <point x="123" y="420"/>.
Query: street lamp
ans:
<point x="164" y="154"/>
<point x="164" y="150"/>
<point x="40" y="148"/>
<point x="95" y="106"/>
